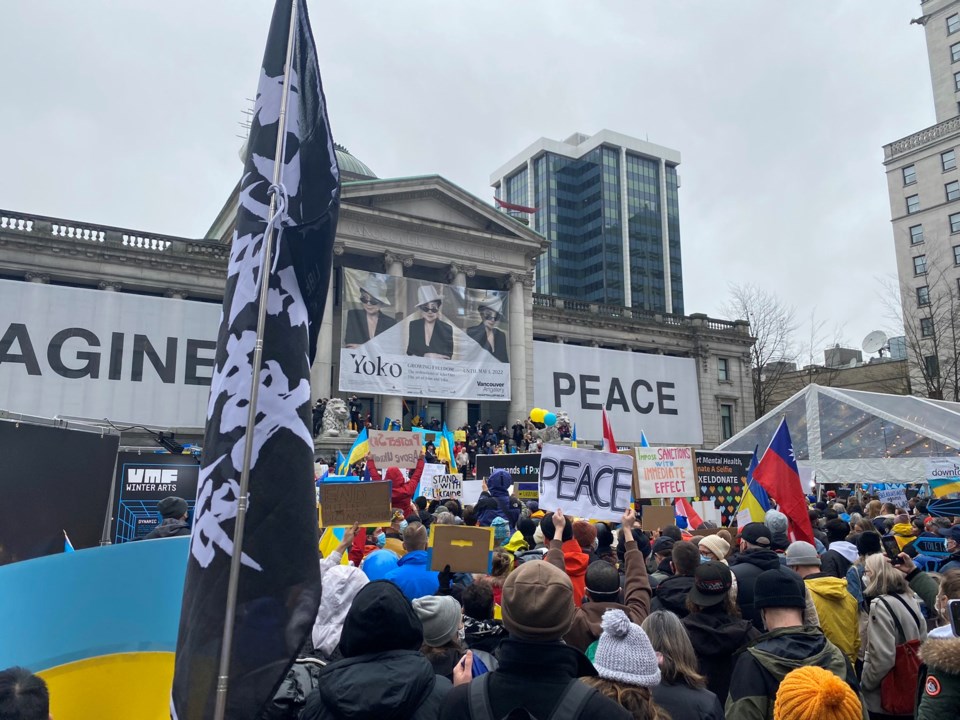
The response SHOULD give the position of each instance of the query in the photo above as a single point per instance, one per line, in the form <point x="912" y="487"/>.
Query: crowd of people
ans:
<point x="579" y="619"/>
<point x="601" y="620"/>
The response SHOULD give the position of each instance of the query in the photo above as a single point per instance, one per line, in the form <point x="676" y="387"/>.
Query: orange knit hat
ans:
<point x="812" y="693"/>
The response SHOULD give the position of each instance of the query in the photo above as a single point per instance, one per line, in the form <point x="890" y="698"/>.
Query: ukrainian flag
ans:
<point x="360" y="449"/>
<point x="755" y="499"/>
<point x="328" y="543"/>
<point x="573" y="436"/>
<point x="941" y="487"/>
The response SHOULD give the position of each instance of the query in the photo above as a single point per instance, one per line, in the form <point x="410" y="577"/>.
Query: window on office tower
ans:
<point x="948" y="160"/>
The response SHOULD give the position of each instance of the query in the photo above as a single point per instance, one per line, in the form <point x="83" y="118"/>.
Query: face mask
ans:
<point x="403" y="526"/>
<point x="381" y="540"/>
<point x="704" y="559"/>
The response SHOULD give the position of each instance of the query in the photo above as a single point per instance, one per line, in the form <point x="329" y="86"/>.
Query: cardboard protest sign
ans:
<point x="665" y="472"/>
<point x="394" y="448"/>
<point x="527" y="490"/>
<point x="448" y="487"/>
<point x="471" y="492"/>
<point x="464" y="549"/>
<point x="430" y="471"/>
<point x="343" y="504"/>
<point x="585" y="483"/>
<point x="657" y="517"/>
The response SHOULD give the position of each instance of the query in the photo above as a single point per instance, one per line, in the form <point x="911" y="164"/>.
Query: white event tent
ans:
<point x="859" y="437"/>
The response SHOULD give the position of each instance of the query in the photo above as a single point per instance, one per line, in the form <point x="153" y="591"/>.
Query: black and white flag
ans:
<point x="279" y="588"/>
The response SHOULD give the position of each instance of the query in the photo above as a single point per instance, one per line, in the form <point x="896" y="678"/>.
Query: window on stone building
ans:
<point x="931" y="365"/>
<point x="923" y="295"/>
<point x="953" y="190"/>
<point x="723" y="369"/>
<point x="955" y="52"/>
<point x="948" y="160"/>
<point x="726" y="421"/>
<point x="916" y="234"/>
<point x="926" y="327"/>
<point x="920" y="265"/>
<point x="955" y="223"/>
<point x="909" y="174"/>
<point x="956" y="254"/>
<point x="913" y="204"/>
<point x="953" y="24"/>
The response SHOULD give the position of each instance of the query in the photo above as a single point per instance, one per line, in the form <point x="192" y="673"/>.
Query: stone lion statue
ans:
<point x="335" y="418"/>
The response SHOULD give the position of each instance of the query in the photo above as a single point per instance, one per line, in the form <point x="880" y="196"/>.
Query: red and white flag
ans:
<point x="609" y="443"/>
<point x="683" y="509"/>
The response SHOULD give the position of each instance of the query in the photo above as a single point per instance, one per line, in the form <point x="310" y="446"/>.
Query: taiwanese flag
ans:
<point x="778" y="474"/>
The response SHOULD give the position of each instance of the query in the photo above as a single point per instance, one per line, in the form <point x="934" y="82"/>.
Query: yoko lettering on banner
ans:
<point x="394" y="448"/>
<point x="656" y="394"/>
<point x="665" y="472"/>
<point x="585" y="483"/>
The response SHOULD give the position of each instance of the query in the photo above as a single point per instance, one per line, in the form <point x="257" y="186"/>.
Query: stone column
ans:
<point x="391" y="406"/>
<point x="518" y="347"/>
<point x="457" y="409"/>
<point x="322" y="370"/>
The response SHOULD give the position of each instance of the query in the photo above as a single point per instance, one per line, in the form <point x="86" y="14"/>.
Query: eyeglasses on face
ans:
<point x="368" y="300"/>
<point x="489" y="315"/>
<point x="430" y="308"/>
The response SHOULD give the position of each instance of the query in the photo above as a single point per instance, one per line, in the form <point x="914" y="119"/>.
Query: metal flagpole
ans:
<point x="229" y="617"/>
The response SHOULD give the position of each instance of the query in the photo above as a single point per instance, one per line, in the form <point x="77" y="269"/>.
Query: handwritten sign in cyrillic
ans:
<point x="394" y="448"/>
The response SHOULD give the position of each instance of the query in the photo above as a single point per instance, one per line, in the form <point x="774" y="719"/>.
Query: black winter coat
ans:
<point x="671" y="594"/>
<point x="747" y="569"/>
<point x="387" y="686"/>
<point x="685" y="703"/>
<point x="170" y="527"/>
<point x="717" y="638"/>
<point x="534" y="676"/>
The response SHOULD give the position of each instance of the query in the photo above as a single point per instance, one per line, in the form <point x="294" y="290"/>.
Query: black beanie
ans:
<point x="780" y="588"/>
<point x="380" y="619"/>
<point x="643" y="545"/>
<point x="868" y="543"/>
<point x="172" y="507"/>
<point x="837" y="529"/>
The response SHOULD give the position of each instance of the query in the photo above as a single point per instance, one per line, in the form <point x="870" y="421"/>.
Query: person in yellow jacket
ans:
<point x="835" y="605"/>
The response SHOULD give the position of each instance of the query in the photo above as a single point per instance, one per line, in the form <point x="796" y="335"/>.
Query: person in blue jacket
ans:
<point x="496" y="502"/>
<point x="413" y="575"/>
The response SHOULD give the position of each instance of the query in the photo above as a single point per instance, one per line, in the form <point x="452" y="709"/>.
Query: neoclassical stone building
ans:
<point x="422" y="228"/>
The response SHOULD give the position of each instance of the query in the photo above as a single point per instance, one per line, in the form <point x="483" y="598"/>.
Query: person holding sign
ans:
<point x="603" y="587"/>
<point x="575" y="561"/>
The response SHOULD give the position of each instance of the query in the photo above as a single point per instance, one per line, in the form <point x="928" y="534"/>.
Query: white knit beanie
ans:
<point x="624" y="653"/>
<point x="717" y="545"/>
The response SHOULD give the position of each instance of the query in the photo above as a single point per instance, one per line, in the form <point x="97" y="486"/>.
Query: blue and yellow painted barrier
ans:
<point x="99" y="625"/>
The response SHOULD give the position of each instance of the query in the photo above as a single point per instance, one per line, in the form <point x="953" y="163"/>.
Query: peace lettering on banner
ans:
<point x="585" y="483"/>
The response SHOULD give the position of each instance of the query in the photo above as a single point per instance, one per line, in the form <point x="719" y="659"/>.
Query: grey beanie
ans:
<point x="802" y="553"/>
<point x="776" y="521"/>
<point x="440" y="616"/>
<point x="172" y="507"/>
<point x="624" y="652"/>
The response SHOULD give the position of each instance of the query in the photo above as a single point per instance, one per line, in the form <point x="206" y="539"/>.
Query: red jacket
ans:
<point x="575" y="561"/>
<point x="403" y="490"/>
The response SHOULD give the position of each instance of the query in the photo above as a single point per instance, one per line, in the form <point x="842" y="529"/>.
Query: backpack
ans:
<point x="898" y="686"/>
<point x="571" y="704"/>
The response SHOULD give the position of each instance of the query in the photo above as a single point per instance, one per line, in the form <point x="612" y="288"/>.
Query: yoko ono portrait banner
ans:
<point x="402" y="336"/>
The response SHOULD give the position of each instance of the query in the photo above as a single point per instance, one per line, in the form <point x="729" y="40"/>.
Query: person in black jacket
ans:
<point x="430" y="336"/>
<point x="536" y="667"/>
<point x="754" y="557"/>
<point x="716" y="630"/>
<point x="365" y="323"/>
<point x="840" y="554"/>
<point x="487" y="335"/>
<point x="382" y="674"/>
<point x="671" y="594"/>
<point x="173" y="511"/>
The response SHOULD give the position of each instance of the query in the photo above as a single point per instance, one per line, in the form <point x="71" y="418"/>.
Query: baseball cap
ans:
<point x="756" y="533"/>
<point x="951" y="533"/>
<point x="711" y="583"/>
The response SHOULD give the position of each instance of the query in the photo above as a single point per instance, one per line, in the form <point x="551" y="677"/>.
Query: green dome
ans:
<point x="350" y="167"/>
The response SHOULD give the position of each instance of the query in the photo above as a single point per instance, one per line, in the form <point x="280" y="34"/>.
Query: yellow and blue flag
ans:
<point x="755" y="499"/>
<point x="573" y="436"/>
<point x="359" y="450"/>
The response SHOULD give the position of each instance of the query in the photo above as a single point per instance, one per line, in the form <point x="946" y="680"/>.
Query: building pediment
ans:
<point x="436" y="199"/>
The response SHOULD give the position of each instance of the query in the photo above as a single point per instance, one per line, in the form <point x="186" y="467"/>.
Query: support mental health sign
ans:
<point x="585" y="483"/>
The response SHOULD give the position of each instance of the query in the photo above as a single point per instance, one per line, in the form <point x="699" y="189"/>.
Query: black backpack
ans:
<point x="571" y="704"/>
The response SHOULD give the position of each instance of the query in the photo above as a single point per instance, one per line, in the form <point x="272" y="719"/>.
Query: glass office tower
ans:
<point x="608" y="203"/>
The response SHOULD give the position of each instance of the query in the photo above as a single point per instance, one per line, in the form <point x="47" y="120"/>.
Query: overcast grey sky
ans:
<point x="125" y="113"/>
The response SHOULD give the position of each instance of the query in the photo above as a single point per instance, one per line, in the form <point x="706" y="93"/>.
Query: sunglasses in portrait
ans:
<point x="368" y="300"/>
<point x="490" y="315"/>
<point x="430" y="308"/>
